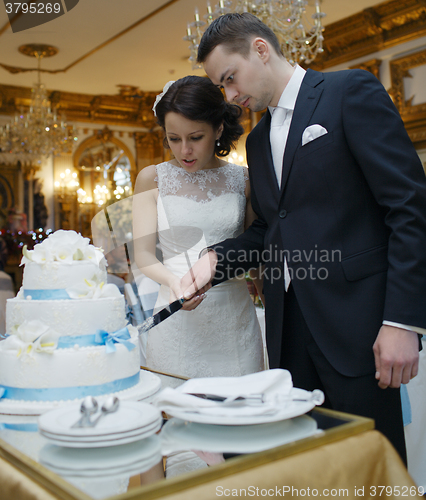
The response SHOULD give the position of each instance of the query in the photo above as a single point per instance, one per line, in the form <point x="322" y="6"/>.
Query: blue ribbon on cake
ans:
<point x="109" y="339"/>
<point x="19" y="427"/>
<point x="58" y="294"/>
<point x="64" y="393"/>
<point x="101" y="337"/>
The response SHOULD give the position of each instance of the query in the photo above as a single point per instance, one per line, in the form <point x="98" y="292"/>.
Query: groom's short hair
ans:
<point x="235" y="31"/>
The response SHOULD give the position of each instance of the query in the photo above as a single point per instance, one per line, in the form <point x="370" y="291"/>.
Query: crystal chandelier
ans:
<point x="68" y="183"/>
<point x="300" y="38"/>
<point x="38" y="132"/>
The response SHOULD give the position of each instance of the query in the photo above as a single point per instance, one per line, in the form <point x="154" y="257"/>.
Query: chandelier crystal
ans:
<point x="301" y="39"/>
<point x="38" y="132"/>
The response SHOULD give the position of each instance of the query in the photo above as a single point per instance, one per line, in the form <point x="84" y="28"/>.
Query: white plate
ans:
<point x="131" y="415"/>
<point x="103" y="472"/>
<point x="152" y="428"/>
<point x="126" y="473"/>
<point x="102" y="443"/>
<point x="95" y="462"/>
<point x="290" y="409"/>
<point x="177" y="435"/>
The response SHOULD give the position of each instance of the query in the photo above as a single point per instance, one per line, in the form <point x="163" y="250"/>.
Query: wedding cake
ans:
<point x="66" y="332"/>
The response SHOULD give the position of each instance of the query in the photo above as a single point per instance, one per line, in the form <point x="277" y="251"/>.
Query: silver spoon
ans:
<point x="110" y="406"/>
<point x="88" y="407"/>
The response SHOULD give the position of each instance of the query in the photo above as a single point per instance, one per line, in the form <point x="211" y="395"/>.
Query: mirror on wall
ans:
<point x="105" y="171"/>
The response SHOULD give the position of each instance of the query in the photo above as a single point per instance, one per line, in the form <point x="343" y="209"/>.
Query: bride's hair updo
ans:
<point x="198" y="99"/>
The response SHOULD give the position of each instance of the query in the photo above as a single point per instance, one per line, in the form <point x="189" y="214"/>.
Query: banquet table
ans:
<point x="348" y="458"/>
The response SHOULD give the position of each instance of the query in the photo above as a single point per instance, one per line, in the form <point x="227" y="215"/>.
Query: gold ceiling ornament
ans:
<point x="38" y="50"/>
<point x="301" y="39"/>
<point x="38" y="132"/>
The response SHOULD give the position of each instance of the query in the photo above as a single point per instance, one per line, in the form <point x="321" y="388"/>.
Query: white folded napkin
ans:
<point x="272" y="385"/>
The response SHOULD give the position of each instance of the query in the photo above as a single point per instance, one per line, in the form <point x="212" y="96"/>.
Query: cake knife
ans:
<point x="160" y="316"/>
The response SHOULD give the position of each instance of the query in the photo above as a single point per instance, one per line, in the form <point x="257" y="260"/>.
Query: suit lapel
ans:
<point x="306" y="103"/>
<point x="266" y="160"/>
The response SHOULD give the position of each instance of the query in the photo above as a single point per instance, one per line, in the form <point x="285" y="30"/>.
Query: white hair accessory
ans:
<point x="160" y="96"/>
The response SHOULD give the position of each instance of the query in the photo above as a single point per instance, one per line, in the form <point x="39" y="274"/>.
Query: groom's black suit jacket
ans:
<point x="350" y="218"/>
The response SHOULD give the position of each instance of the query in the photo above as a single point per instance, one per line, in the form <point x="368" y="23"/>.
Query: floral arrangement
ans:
<point x="62" y="246"/>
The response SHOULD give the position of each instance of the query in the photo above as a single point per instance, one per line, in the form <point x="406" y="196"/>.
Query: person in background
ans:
<point x="6" y="287"/>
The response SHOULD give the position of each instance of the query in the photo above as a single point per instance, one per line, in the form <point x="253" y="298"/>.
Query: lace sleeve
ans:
<point x="236" y="177"/>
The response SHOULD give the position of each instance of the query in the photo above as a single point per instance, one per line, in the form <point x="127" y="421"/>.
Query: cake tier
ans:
<point x="68" y="374"/>
<point x="69" y="317"/>
<point x="60" y="275"/>
<point x="149" y="384"/>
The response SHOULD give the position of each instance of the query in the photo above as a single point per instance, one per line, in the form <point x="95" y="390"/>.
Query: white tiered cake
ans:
<point x="66" y="332"/>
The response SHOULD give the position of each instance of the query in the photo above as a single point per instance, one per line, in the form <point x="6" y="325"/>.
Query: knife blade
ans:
<point x="215" y="397"/>
<point x="157" y="318"/>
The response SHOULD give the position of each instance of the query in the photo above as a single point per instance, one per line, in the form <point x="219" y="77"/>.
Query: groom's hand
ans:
<point x="198" y="279"/>
<point x="396" y="353"/>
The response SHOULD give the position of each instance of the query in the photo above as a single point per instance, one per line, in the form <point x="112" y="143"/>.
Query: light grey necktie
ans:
<point x="278" y="138"/>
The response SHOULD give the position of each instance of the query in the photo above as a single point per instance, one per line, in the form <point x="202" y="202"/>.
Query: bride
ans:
<point x="193" y="201"/>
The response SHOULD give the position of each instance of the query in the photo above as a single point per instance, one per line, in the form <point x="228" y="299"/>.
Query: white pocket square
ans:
<point x="313" y="132"/>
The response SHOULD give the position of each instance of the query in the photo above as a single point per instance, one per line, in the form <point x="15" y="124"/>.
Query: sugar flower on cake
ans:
<point x="93" y="253"/>
<point x="39" y="254"/>
<point x="93" y="289"/>
<point x="62" y="246"/>
<point x="30" y="336"/>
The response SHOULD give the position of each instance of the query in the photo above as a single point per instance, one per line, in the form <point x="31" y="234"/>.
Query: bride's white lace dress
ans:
<point x="221" y="337"/>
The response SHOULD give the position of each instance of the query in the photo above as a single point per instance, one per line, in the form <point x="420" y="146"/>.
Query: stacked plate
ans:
<point x="132" y="421"/>
<point x="112" y="462"/>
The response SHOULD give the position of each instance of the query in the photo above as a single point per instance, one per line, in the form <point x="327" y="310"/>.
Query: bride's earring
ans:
<point x="218" y="143"/>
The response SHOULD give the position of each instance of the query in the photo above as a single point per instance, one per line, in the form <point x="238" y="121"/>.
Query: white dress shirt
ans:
<point x="279" y="132"/>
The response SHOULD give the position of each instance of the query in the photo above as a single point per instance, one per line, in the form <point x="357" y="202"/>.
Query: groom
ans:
<point x="340" y="196"/>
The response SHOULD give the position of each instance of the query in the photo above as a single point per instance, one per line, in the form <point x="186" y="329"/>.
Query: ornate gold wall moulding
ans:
<point x="373" y="66"/>
<point x="414" y="116"/>
<point x="376" y="28"/>
<point x="149" y="148"/>
<point x="418" y="135"/>
<point x="399" y="69"/>
<point x="105" y="109"/>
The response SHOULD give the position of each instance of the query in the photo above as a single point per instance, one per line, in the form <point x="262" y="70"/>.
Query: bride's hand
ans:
<point x="176" y="292"/>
